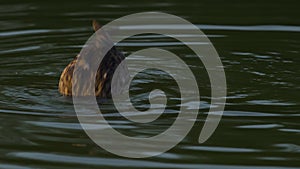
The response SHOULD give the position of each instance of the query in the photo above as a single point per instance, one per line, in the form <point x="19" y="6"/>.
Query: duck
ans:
<point x="104" y="72"/>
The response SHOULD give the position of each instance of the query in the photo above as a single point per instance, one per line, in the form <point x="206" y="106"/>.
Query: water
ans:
<point x="257" y="41"/>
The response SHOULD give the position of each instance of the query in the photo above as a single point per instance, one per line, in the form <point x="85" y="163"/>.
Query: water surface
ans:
<point x="258" y="42"/>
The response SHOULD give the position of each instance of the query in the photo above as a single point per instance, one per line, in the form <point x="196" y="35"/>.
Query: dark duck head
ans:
<point x="103" y="75"/>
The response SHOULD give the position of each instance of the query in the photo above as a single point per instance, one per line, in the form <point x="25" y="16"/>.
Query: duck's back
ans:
<point x="103" y="76"/>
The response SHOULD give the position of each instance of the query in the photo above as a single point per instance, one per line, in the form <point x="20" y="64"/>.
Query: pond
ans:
<point x="257" y="41"/>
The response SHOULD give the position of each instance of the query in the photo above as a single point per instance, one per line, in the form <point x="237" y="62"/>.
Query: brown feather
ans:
<point x="104" y="73"/>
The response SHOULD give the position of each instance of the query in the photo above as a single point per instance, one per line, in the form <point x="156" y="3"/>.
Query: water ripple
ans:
<point x="64" y="159"/>
<point x="221" y="149"/>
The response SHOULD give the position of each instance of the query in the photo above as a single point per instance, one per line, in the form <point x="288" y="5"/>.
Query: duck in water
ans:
<point x="104" y="72"/>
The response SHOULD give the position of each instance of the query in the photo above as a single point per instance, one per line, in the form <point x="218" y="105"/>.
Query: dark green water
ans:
<point x="258" y="42"/>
